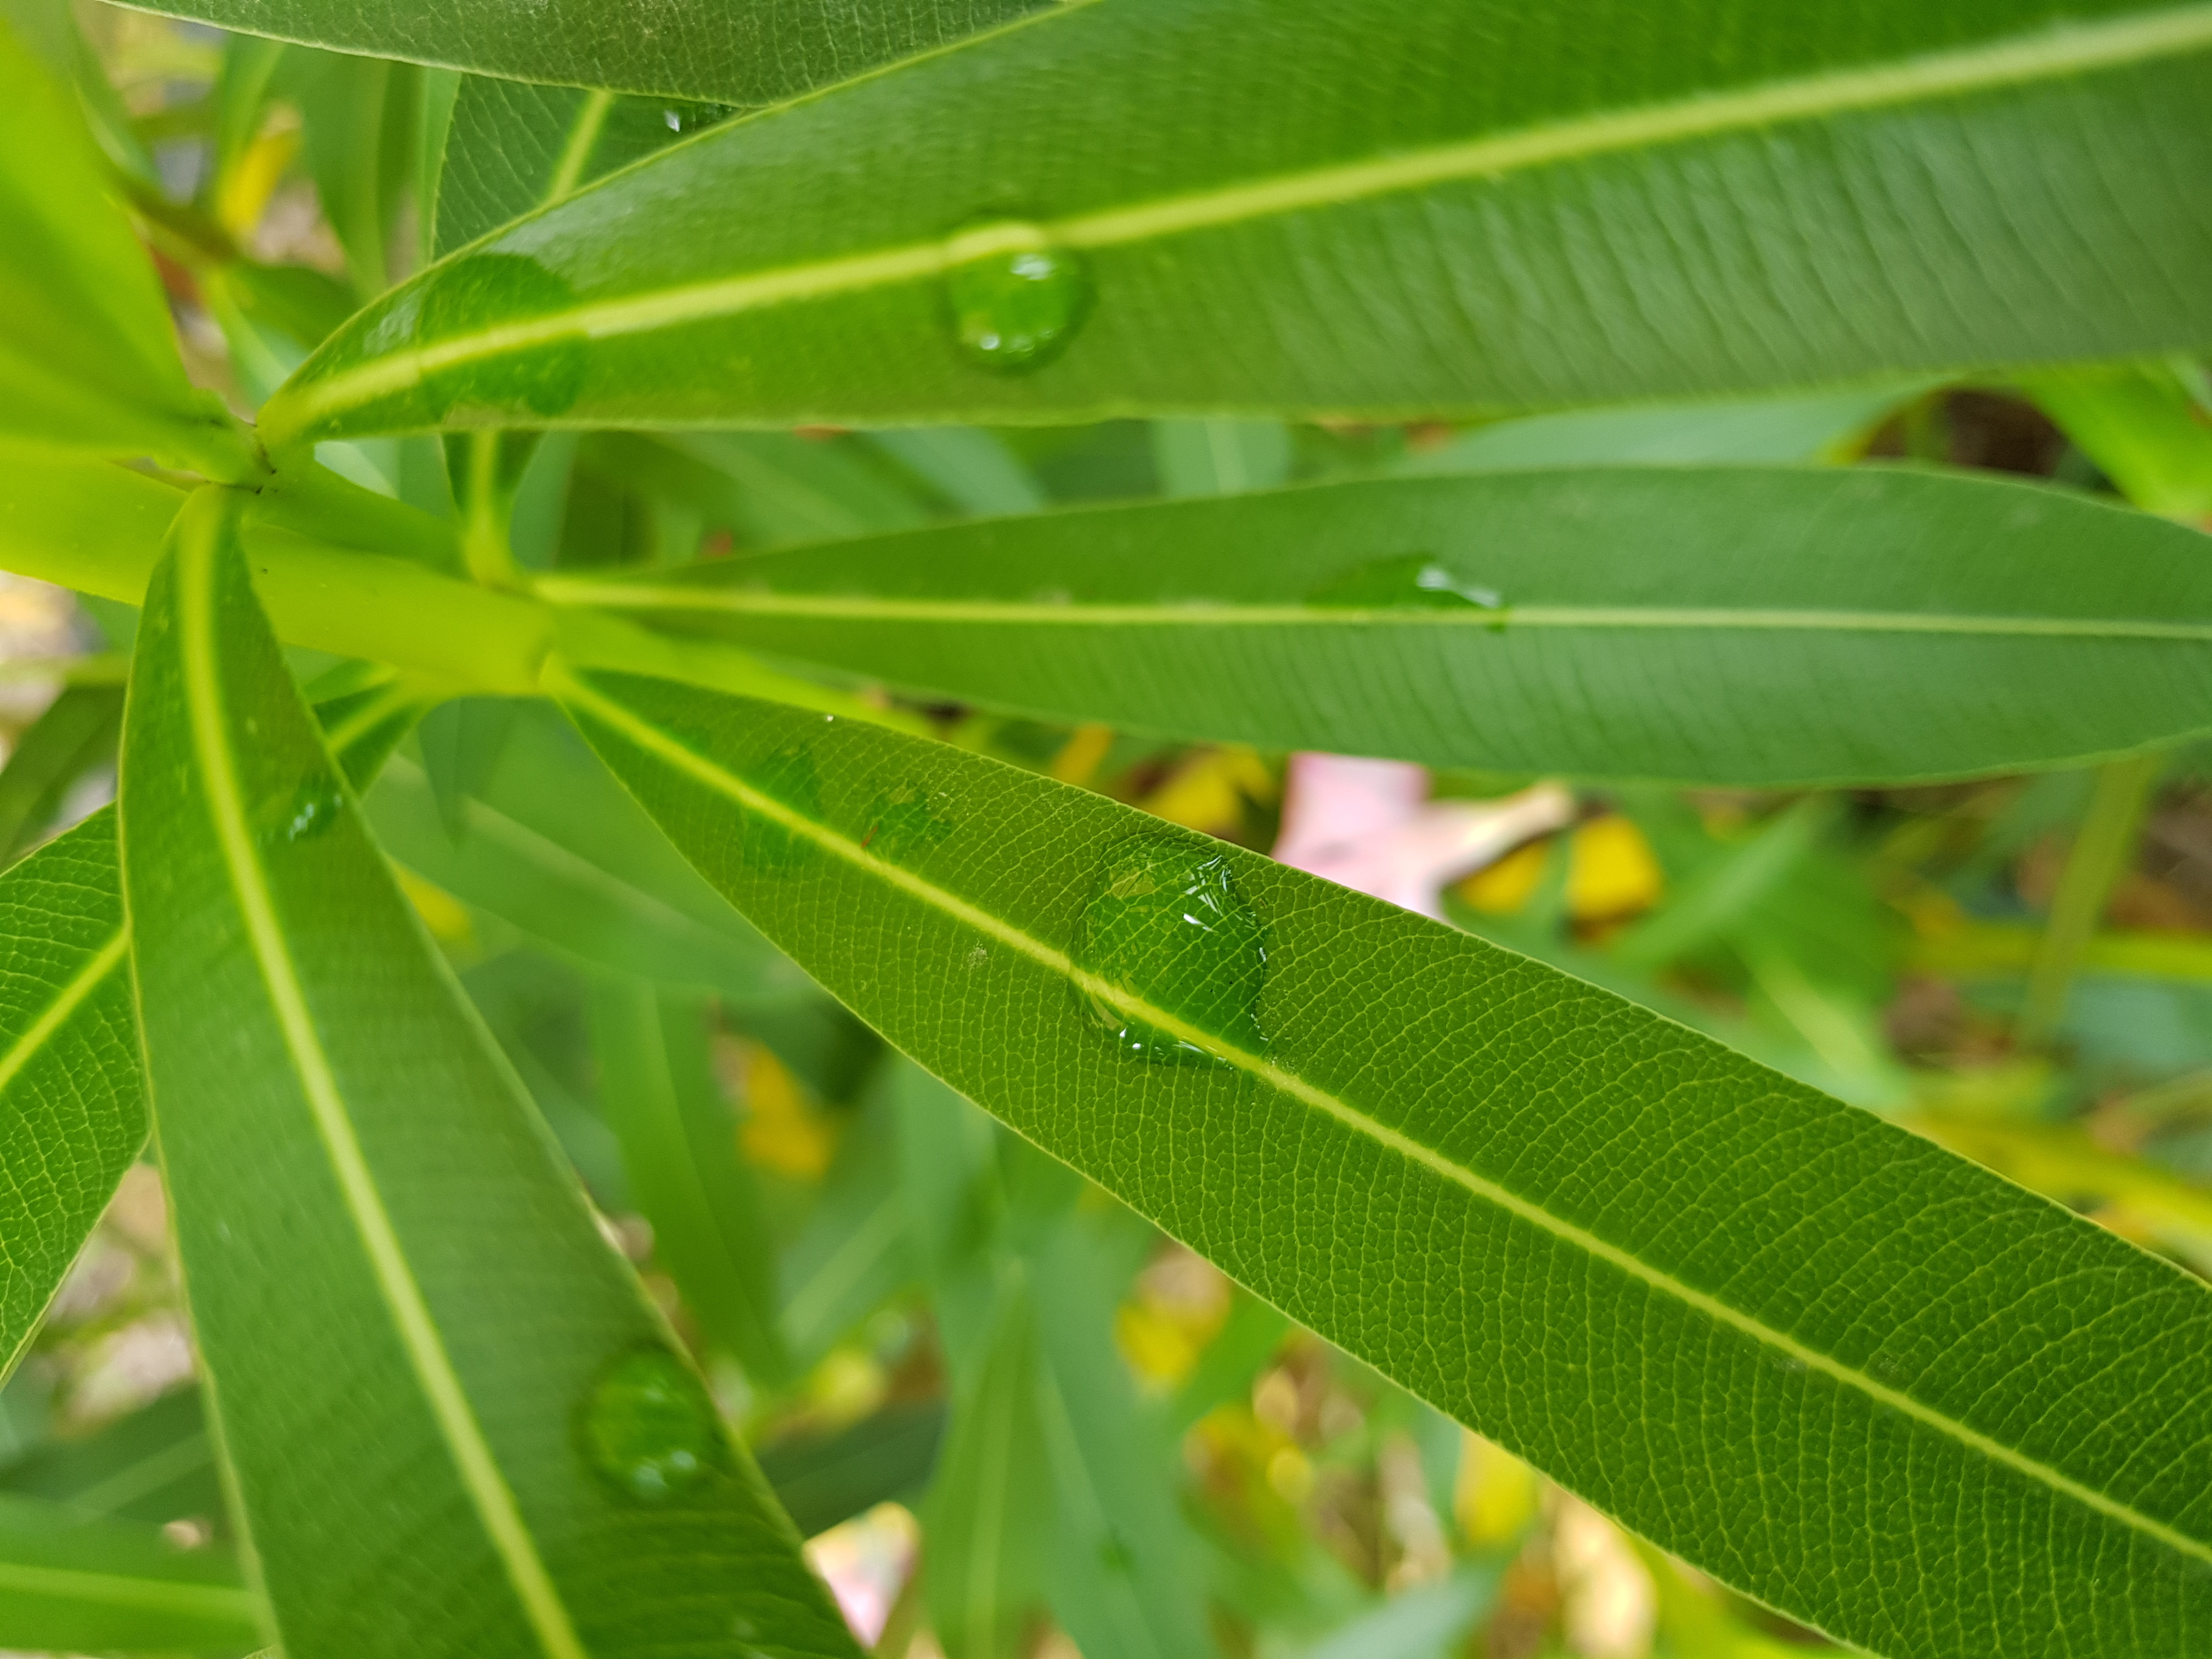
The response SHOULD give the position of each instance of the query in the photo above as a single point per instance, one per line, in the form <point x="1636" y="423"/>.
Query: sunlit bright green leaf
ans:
<point x="396" y="1289"/>
<point x="1159" y="206"/>
<point x="1726" y="626"/>
<point x="69" y="1583"/>
<point x="87" y="357"/>
<point x="1818" y="1357"/>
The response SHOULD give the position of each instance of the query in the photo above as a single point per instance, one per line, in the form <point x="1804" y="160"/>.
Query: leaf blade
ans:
<point x="446" y="1384"/>
<point x="1681" y="624"/>
<point x="1586" y="1226"/>
<point x="1454" y="228"/>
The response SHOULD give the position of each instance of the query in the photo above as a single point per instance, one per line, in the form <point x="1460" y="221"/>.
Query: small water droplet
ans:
<point x="307" y="812"/>
<point x="1017" y="297"/>
<point x="649" y="1427"/>
<point x="485" y="291"/>
<point x="902" y="822"/>
<point x="1417" y="581"/>
<point x="1166" y="923"/>
<point x="673" y="121"/>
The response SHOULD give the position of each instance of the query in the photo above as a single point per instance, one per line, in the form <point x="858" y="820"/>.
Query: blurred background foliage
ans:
<point x="1013" y="1419"/>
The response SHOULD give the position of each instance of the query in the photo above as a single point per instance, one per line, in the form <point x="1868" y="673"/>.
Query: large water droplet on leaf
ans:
<point x="1417" y="581"/>
<point x="538" y="377"/>
<point x="649" y="1427"/>
<point x="1166" y="924"/>
<point x="1017" y="297"/>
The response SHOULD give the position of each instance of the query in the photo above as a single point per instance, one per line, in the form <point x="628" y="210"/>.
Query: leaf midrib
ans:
<point x="675" y="753"/>
<point x="494" y="1503"/>
<point x="2050" y="53"/>
<point x="1218" y="614"/>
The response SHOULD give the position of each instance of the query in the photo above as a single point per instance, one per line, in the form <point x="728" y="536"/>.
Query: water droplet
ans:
<point x="1417" y="582"/>
<point x="307" y="812"/>
<point x="1017" y="297"/>
<point x="902" y="822"/>
<point x="488" y="289"/>
<point x="649" y="1427"/>
<point x="1166" y="923"/>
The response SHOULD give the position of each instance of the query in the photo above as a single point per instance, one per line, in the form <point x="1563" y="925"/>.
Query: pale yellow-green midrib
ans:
<point x="647" y="597"/>
<point x="2047" y="54"/>
<point x="473" y="1460"/>
<point x="672" y="752"/>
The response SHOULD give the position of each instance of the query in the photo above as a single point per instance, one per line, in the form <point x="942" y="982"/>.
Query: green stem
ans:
<point x="2100" y="856"/>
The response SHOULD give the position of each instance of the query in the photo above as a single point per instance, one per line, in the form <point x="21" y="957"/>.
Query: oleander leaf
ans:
<point x="75" y="734"/>
<point x="1694" y="625"/>
<point x="1201" y="207"/>
<point x="72" y="1108"/>
<point x="88" y="359"/>
<point x="396" y="1288"/>
<point x="1872" y="1385"/>
<point x="156" y="1464"/>
<point x="679" y="1141"/>
<point x="2142" y="428"/>
<point x="730" y="52"/>
<point x="82" y="1585"/>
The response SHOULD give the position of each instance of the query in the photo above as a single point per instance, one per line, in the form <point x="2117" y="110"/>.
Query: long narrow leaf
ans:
<point x="1697" y="625"/>
<point x="396" y="1288"/>
<point x="1861" y="1379"/>
<point x="102" y="1586"/>
<point x="1159" y="206"/>
<point x="732" y="51"/>
<point x="72" y="1107"/>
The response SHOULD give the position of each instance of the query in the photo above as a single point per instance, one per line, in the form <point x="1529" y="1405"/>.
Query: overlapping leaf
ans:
<point x="396" y="1289"/>
<point x="1861" y="1380"/>
<point x="68" y="1582"/>
<point x="1203" y="205"/>
<point x="1722" y="626"/>
<point x="736" y="51"/>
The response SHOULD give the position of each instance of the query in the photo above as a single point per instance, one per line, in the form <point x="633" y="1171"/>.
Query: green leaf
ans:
<point x="679" y="1143"/>
<point x="550" y="843"/>
<point x="856" y="1250"/>
<point x="1675" y="624"/>
<point x="157" y="1464"/>
<point x="1109" y="210"/>
<point x="974" y="471"/>
<point x="77" y="732"/>
<point x="990" y="1513"/>
<point x="88" y="359"/>
<point x="68" y="1582"/>
<point x="825" y="1479"/>
<point x="1220" y="457"/>
<point x="362" y="121"/>
<point x="537" y="1470"/>
<point x="514" y="147"/>
<point x="72" y="1108"/>
<point x="1803" y="428"/>
<point x="733" y="52"/>
<point x="1873" y="1386"/>
<point x="2142" y="428"/>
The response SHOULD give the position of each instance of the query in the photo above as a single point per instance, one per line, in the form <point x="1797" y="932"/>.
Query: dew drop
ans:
<point x="1017" y="297"/>
<point x="307" y="812"/>
<point x="649" y="1428"/>
<point x="904" y="821"/>
<point x="1166" y="923"/>
<point x="1415" y="581"/>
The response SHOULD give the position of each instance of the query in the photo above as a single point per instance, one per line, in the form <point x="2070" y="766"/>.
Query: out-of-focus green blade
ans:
<point x="1859" y="1378"/>
<point x="76" y="1585"/>
<point x="1723" y="625"/>
<point x="2142" y="428"/>
<point x="77" y="732"/>
<point x="72" y="1107"/>
<point x="88" y="359"/>
<point x="396" y="1288"/>
<point x="548" y="842"/>
<point x="1210" y="207"/>
<point x="157" y="1464"/>
<point x="730" y="52"/>
<point x="679" y="1143"/>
